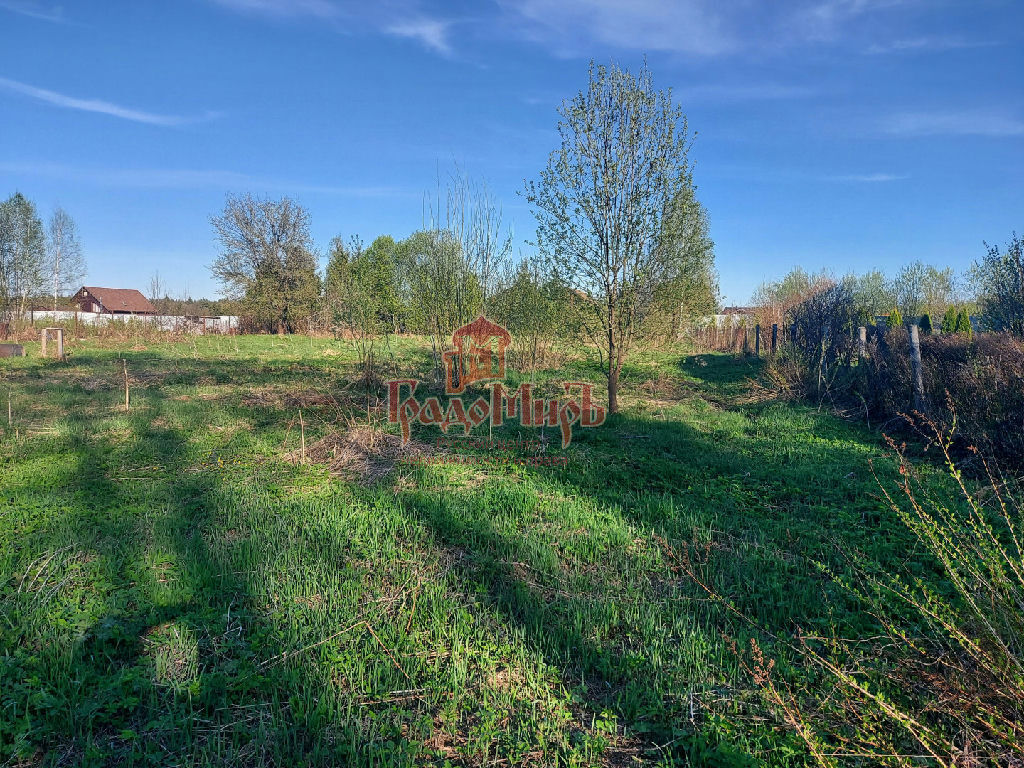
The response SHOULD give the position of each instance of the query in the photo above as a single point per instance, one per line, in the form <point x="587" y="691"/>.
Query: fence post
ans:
<point x="915" y="365"/>
<point x="862" y="343"/>
<point x="822" y="363"/>
<point x="775" y="336"/>
<point x="757" y="340"/>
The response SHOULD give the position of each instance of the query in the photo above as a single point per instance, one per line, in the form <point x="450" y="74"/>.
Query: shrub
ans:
<point x="926" y="323"/>
<point x="949" y="320"/>
<point x="975" y="384"/>
<point x="1000" y="280"/>
<point x="774" y="301"/>
<point x="895" y="318"/>
<point x="819" y="342"/>
<point x="963" y="323"/>
<point x="944" y="678"/>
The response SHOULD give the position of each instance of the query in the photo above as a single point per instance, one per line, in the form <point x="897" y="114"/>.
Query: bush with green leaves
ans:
<point x="943" y="681"/>
<point x="949" y="320"/>
<point x="963" y="323"/>
<point x="820" y="345"/>
<point x="999" y="277"/>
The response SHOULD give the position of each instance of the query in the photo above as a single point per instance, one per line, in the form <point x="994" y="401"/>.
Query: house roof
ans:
<point x="119" y="299"/>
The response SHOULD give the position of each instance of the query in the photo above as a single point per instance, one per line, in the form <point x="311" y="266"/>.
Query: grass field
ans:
<point x="177" y="588"/>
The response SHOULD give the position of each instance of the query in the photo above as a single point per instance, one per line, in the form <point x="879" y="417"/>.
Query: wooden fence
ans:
<point x="738" y="338"/>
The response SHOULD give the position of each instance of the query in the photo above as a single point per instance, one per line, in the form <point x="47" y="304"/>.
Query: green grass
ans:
<point x="174" y="590"/>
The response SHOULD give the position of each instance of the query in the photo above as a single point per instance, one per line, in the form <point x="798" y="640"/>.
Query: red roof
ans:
<point x="118" y="299"/>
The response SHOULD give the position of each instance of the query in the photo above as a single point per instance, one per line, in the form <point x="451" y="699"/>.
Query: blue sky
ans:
<point x="847" y="134"/>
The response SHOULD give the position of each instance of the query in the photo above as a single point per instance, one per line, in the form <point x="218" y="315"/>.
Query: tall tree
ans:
<point x="776" y="299"/>
<point x="939" y="287"/>
<point x="920" y="288"/>
<point x="452" y="267"/>
<point x="909" y="289"/>
<point x="67" y="264"/>
<point x="873" y="295"/>
<point x="158" y="293"/>
<point x="471" y="216"/>
<point x="530" y="309"/>
<point x="446" y="292"/>
<point x="22" y="254"/>
<point x="690" y="284"/>
<point x="999" y="278"/>
<point x="602" y="202"/>
<point x="336" y="277"/>
<point x="353" y="303"/>
<point x="377" y="269"/>
<point x="267" y="260"/>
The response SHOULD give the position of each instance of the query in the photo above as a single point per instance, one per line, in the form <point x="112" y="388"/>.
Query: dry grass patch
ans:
<point x="361" y="453"/>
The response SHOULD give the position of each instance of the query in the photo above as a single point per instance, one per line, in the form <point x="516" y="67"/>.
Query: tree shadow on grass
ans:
<point x="612" y="615"/>
<point x="131" y="635"/>
<point x="618" y="616"/>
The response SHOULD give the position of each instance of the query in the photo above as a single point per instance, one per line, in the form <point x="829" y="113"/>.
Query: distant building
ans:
<point x="738" y="310"/>
<point x="112" y="301"/>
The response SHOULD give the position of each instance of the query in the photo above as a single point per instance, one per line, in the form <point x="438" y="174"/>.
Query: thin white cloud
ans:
<point x="925" y="45"/>
<point x="323" y="9"/>
<point x="53" y="14"/>
<point x="869" y="178"/>
<point x="575" y="26"/>
<point x="938" y="123"/>
<point x="693" y="27"/>
<point x="793" y="175"/>
<point x="825" y="19"/>
<point x="397" y="19"/>
<point x="722" y="92"/>
<point x="98" y="106"/>
<point x="432" y="33"/>
<point x="187" y="178"/>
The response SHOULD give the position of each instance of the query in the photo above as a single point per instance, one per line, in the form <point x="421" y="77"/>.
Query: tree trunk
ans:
<point x="613" y="365"/>
<point x="613" y="388"/>
<point x="56" y="281"/>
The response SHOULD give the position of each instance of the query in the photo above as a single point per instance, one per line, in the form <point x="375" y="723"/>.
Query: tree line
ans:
<point x="36" y="259"/>
<point x="623" y="257"/>
<point x="934" y="299"/>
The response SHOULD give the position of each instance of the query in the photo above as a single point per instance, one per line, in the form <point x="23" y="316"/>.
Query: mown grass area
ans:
<point x="177" y="589"/>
